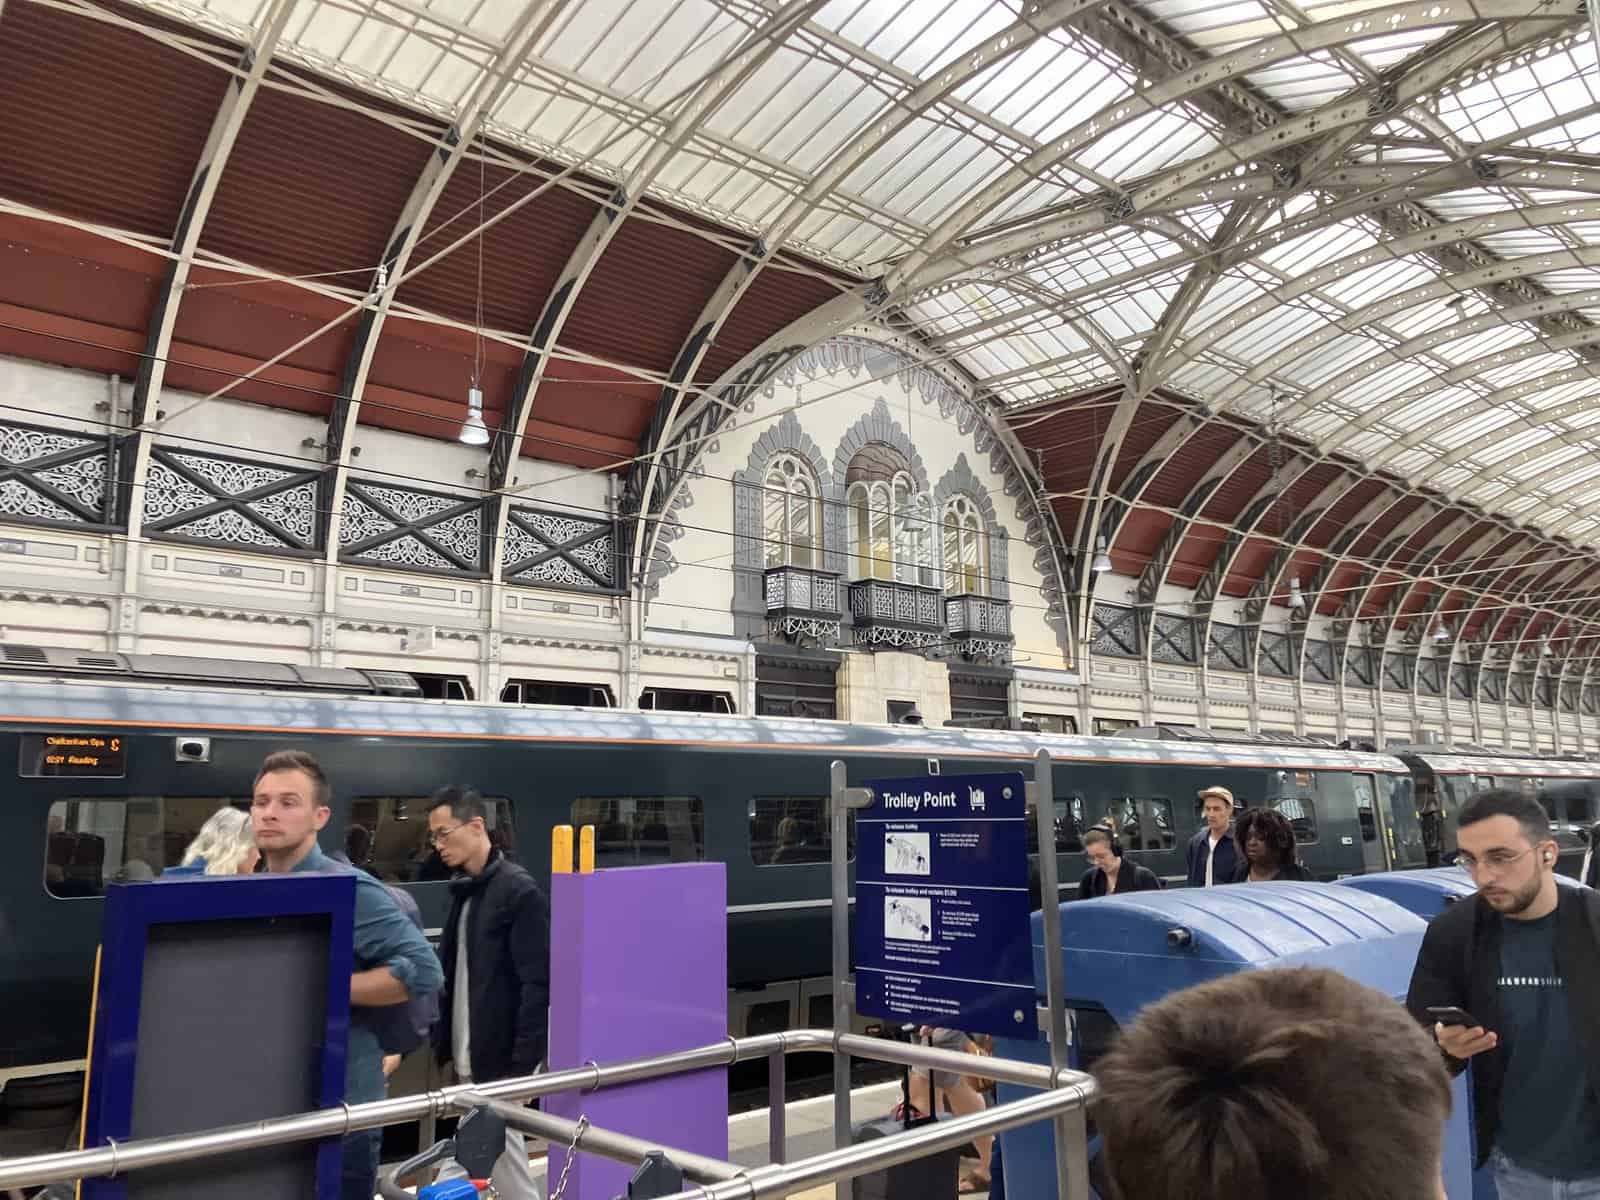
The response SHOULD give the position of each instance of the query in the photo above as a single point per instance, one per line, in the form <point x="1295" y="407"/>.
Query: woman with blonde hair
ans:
<point x="225" y="845"/>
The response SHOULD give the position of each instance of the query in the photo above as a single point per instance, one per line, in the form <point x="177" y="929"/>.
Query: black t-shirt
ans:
<point x="1549" y="1119"/>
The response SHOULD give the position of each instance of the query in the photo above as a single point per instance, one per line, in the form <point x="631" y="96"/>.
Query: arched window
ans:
<point x="791" y="514"/>
<point x="890" y="521"/>
<point x="966" y="563"/>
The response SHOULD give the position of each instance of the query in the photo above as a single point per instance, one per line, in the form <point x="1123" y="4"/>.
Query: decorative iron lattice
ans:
<point x="1590" y="700"/>
<point x="1116" y="632"/>
<point x="1277" y="654"/>
<point x="1174" y="640"/>
<point x="1360" y="666"/>
<point x="886" y="612"/>
<point x="1319" y="662"/>
<point x="52" y="477"/>
<point x="1494" y="684"/>
<point x="1519" y="688"/>
<point x="1227" y="650"/>
<point x="1430" y="676"/>
<point x="1544" y="691"/>
<point x="413" y="530"/>
<point x="230" y="501"/>
<point x="979" y="625"/>
<point x="559" y="550"/>
<point x="1399" y="670"/>
<point x="802" y="603"/>
<point x="1569" y="697"/>
<point x="1461" y="681"/>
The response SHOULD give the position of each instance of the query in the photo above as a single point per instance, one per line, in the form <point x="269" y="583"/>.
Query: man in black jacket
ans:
<point x="1522" y="957"/>
<point x="496" y="955"/>
<point x="1213" y="855"/>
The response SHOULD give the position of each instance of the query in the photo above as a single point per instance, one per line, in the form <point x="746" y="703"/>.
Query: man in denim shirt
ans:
<point x="392" y="958"/>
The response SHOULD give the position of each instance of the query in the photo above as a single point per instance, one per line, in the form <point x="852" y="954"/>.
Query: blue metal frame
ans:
<point x="130" y="912"/>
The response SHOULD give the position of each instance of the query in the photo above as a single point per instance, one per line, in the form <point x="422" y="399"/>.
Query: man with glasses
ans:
<point x="1521" y="959"/>
<point x="496" y="954"/>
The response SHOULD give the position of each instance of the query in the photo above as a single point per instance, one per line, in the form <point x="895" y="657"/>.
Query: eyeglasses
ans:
<point x="1496" y="861"/>
<point x="436" y="836"/>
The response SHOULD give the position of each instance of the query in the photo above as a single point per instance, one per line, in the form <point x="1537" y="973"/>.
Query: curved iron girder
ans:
<point x="641" y="488"/>
<point x="1523" y="487"/>
<point x="134" y="461"/>
<point x="1412" y="575"/>
<point x="1395" y="249"/>
<point x="1090" y="512"/>
<point x="1143" y="472"/>
<point x="1288" y="132"/>
<point x="534" y="22"/>
<point x="1390" y="356"/>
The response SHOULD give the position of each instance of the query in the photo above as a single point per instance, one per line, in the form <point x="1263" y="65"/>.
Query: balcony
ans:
<point x="980" y="626"/>
<point x="887" y="613"/>
<point x="802" y="603"/>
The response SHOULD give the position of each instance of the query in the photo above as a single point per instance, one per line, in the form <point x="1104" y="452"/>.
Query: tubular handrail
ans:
<point x="121" y="1158"/>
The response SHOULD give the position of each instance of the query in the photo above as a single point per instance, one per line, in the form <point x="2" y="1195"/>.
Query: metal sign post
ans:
<point x="844" y="799"/>
<point x="1072" y="1135"/>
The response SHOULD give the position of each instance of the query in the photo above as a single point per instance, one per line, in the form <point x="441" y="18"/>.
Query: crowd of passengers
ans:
<point x="1354" y="1086"/>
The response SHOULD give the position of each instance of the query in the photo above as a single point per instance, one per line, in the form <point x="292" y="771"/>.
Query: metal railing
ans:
<point x="1062" y="1091"/>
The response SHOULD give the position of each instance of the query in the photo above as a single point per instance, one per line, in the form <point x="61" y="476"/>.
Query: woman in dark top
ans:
<point x="1267" y="839"/>
<point x="1109" y="873"/>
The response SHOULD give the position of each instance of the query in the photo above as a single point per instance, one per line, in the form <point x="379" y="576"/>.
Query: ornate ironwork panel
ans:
<point x="1569" y="697"/>
<point x="1174" y="639"/>
<point x="1590" y="700"/>
<point x="1430" y="676"/>
<point x="1544" y="691"/>
<point x="559" y="550"/>
<point x="888" y="612"/>
<point x="388" y="526"/>
<point x="1399" y="671"/>
<point x="230" y="501"/>
<point x="1461" y="681"/>
<point x="1227" y="651"/>
<point x="1494" y="684"/>
<point x="979" y="625"/>
<point x="1360" y="666"/>
<point x="1519" y="688"/>
<point x="1319" y="662"/>
<point x="52" y="477"/>
<point x="802" y="603"/>
<point x="1117" y="632"/>
<point x="1277" y="654"/>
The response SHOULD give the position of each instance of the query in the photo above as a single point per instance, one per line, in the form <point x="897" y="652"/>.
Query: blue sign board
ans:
<point x="942" y="929"/>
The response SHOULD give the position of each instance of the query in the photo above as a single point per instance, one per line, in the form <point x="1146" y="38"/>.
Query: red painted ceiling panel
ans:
<point x="774" y="299"/>
<point x="1183" y="470"/>
<point x="98" y="121"/>
<point x="312" y="188"/>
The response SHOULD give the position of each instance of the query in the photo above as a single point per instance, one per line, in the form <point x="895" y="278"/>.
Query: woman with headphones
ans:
<point x="1108" y="874"/>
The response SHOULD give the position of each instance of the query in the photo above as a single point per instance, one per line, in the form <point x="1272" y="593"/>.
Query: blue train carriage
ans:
<point x="1567" y="786"/>
<point x="142" y="764"/>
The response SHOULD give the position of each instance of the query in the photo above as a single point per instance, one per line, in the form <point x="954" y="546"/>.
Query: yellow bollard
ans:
<point x="586" y="850"/>
<point x="561" y="850"/>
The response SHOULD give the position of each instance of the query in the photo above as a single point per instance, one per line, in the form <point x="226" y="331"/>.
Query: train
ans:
<point x="116" y="771"/>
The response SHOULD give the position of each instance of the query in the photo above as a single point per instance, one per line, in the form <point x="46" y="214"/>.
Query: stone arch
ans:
<point x="785" y="437"/>
<point x="961" y="480"/>
<point x="876" y="426"/>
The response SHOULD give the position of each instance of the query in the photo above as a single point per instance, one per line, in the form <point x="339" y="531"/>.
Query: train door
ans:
<point x="1397" y="808"/>
<point x="1375" y="853"/>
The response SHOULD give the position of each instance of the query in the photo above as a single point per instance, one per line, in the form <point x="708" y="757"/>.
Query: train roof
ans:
<point x="189" y="709"/>
<point x="1476" y="764"/>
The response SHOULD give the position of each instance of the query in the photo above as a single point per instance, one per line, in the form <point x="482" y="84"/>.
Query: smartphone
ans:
<point x="1453" y="1016"/>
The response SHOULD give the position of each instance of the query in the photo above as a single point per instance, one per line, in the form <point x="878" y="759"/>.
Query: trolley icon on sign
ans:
<point x="976" y="799"/>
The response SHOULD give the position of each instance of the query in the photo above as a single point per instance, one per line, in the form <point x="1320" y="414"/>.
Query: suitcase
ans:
<point x="933" y="1177"/>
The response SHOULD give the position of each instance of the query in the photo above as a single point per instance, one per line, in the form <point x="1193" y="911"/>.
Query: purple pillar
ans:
<point x="638" y="967"/>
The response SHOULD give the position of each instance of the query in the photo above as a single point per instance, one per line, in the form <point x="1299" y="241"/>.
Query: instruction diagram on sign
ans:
<point x="908" y="919"/>
<point x="906" y="854"/>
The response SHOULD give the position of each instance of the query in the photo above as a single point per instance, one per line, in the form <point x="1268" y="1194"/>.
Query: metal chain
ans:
<point x="572" y="1154"/>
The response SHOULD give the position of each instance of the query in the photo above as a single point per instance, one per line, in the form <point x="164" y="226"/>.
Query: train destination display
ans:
<point x="80" y="755"/>
<point x="942" y="930"/>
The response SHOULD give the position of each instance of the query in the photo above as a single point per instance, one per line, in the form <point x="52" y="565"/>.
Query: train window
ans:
<point x="388" y="837"/>
<point x="1301" y="812"/>
<point x="1366" y="807"/>
<point x="788" y="830"/>
<point x="90" y="843"/>
<point x="633" y="831"/>
<point x="1580" y="803"/>
<point x="1069" y="821"/>
<point x="1144" y="824"/>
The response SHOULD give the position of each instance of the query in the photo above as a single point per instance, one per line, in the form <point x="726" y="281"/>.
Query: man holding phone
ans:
<point x="1510" y="980"/>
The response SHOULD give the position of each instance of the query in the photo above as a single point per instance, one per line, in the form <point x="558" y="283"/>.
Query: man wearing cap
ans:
<point x="1212" y="855"/>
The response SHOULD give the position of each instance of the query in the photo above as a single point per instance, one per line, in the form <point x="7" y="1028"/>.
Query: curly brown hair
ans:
<point x="1274" y="830"/>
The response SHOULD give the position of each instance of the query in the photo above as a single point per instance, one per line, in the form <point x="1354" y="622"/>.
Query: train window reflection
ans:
<point x="1366" y="807"/>
<point x="631" y="831"/>
<point x="787" y="830"/>
<point x="1143" y="824"/>
<point x="90" y="843"/>
<point x="1069" y="825"/>
<point x="388" y="837"/>
<point x="1301" y="812"/>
